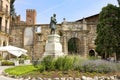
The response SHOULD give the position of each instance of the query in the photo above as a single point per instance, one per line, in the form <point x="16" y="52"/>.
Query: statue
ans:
<point x="53" y="24"/>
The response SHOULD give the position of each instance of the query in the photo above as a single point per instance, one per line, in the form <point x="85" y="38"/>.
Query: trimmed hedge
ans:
<point x="7" y="63"/>
<point x="20" y="70"/>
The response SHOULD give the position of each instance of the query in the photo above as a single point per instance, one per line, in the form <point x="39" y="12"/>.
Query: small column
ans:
<point x="84" y="24"/>
<point x="65" y="47"/>
<point x="85" y="46"/>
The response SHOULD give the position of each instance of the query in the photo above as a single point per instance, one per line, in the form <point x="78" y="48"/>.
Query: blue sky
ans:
<point x="72" y="10"/>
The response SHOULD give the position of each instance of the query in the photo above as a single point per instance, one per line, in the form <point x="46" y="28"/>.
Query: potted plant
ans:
<point x="16" y="62"/>
<point x="26" y="60"/>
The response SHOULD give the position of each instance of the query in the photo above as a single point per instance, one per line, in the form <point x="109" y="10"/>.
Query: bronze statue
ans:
<point x="53" y="24"/>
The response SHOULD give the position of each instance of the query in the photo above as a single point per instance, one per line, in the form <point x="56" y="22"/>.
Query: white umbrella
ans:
<point x="14" y="50"/>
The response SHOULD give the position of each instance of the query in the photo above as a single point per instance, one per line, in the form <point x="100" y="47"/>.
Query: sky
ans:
<point x="72" y="10"/>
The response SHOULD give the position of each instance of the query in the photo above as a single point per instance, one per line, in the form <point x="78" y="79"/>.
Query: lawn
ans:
<point x="20" y="70"/>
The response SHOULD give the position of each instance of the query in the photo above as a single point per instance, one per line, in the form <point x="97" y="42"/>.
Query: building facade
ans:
<point x="76" y="37"/>
<point x="4" y="22"/>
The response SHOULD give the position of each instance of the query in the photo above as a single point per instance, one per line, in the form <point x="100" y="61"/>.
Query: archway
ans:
<point x="4" y="43"/>
<point x="91" y="53"/>
<point x="74" y="46"/>
<point x="28" y="36"/>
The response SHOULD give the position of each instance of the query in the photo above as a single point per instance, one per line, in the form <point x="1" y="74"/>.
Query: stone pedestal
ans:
<point x="53" y="46"/>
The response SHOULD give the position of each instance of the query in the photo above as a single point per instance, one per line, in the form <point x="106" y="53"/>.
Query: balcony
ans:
<point x="1" y="10"/>
<point x="4" y="11"/>
<point x="5" y="31"/>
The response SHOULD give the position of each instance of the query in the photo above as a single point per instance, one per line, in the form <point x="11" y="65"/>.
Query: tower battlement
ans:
<point x="31" y="16"/>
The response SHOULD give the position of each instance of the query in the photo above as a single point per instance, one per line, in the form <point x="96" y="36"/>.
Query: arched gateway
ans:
<point x="74" y="38"/>
<point x="74" y="46"/>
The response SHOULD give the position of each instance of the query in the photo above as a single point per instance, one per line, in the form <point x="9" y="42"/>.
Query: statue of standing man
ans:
<point x="53" y="23"/>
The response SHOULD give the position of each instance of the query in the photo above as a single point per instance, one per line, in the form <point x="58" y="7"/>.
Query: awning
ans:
<point x="14" y="50"/>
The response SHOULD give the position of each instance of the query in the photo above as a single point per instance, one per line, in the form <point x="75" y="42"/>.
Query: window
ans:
<point x="6" y="9"/>
<point x="6" y="22"/>
<point x="4" y="43"/>
<point x="38" y="29"/>
<point x="1" y="2"/>
<point x="0" y="23"/>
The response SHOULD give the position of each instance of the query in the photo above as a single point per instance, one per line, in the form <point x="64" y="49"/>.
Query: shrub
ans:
<point x="1" y="58"/>
<point x="68" y="63"/>
<point x="92" y="58"/>
<point x="118" y="66"/>
<point x="7" y="63"/>
<point x="64" y="63"/>
<point x="99" y="66"/>
<point x="41" y="67"/>
<point x="49" y="63"/>
<point x="59" y="63"/>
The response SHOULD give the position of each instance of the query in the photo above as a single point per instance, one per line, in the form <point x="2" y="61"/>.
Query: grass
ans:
<point x="20" y="70"/>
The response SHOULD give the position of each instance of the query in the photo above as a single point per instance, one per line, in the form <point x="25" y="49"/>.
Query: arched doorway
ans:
<point x="28" y="36"/>
<point x="4" y="43"/>
<point x="74" y="46"/>
<point x="91" y="53"/>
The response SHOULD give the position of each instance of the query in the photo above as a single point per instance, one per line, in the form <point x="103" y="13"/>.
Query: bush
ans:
<point x="1" y="58"/>
<point x="77" y="63"/>
<point x="41" y="67"/>
<point x="99" y="66"/>
<point x="68" y="63"/>
<point x="7" y="63"/>
<point x="49" y="63"/>
<point x="59" y="63"/>
<point x="92" y="58"/>
<point x="118" y="66"/>
<point x="64" y="63"/>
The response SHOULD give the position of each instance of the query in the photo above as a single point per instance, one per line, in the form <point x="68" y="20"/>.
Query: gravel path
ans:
<point x="2" y="77"/>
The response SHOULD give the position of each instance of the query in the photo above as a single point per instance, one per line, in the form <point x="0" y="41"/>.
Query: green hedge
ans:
<point x="20" y="70"/>
<point x="7" y="63"/>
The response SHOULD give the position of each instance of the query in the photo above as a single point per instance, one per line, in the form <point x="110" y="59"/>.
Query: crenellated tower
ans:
<point x="30" y="16"/>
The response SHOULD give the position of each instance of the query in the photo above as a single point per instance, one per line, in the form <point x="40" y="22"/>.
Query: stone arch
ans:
<point x="28" y="36"/>
<point x="4" y="43"/>
<point x="91" y="52"/>
<point x="60" y="33"/>
<point x="74" y="45"/>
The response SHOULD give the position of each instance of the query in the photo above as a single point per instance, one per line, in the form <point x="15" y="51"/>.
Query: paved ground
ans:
<point x="4" y="77"/>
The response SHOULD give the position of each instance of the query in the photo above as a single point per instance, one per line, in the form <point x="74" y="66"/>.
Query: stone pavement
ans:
<point x="2" y="77"/>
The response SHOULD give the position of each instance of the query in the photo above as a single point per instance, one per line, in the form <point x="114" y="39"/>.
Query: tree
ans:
<point x="108" y="31"/>
<point x="118" y="2"/>
<point x="12" y="9"/>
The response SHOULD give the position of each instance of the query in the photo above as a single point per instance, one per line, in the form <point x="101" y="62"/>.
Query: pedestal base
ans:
<point x="53" y="46"/>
